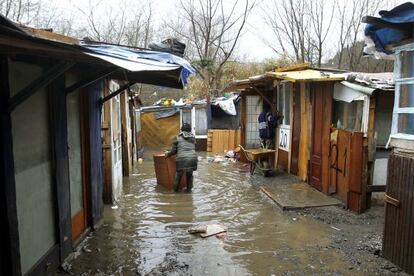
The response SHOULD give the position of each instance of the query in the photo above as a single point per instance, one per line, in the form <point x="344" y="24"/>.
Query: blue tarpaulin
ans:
<point x="392" y="27"/>
<point x="151" y="59"/>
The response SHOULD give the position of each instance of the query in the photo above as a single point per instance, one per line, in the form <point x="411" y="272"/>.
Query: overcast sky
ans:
<point x="251" y="46"/>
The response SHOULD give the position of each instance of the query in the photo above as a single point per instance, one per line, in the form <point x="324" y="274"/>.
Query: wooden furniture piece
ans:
<point x="165" y="171"/>
<point x="258" y="159"/>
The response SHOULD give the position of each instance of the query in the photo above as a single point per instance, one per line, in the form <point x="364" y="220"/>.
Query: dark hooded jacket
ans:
<point x="184" y="149"/>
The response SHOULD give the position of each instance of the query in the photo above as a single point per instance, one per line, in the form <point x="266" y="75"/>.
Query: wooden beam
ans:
<point x="272" y="105"/>
<point x="58" y="119"/>
<point x="115" y="93"/>
<point x="46" y="78"/>
<point x="376" y="188"/>
<point x="88" y="81"/>
<point x="294" y="67"/>
<point x="10" y="251"/>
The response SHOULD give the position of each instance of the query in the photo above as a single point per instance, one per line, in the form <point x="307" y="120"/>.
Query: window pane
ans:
<point x="347" y="115"/>
<point x="407" y="95"/>
<point x="281" y="99"/>
<point x="406" y="123"/>
<point x="186" y="117"/>
<point x="407" y="64"/>
<point x="287" y="105"/>
<point x="254" y="108"/>
<point x="201" y="121"/>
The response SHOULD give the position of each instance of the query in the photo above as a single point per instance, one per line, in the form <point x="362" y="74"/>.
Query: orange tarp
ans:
<point x="159" y="134"/>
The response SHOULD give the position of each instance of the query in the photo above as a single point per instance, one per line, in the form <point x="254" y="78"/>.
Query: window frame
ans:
<point x="282" y="89"/>
<point x="399" y="80"/>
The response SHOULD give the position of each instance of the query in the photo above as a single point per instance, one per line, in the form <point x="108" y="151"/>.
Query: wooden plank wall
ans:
<point x="347" y="161"/>
<point x="296" y="129"/>
<point x="357" y="185"/>
<point x="222" y="140"/>
<point x="398" y="239"/>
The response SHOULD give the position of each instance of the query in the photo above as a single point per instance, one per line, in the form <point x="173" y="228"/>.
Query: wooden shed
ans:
<point x="335" y="159"/>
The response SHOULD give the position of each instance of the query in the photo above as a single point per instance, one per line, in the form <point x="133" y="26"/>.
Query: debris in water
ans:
<point x="221" y="236"/>
<point x="213" y="229"/>
<point x="337" y="229"/>
<point x="114" y="207"/>
<point x="215" y="159"/>
<point x="294" y="219"/>
<point x="197" y="229"/>
<point x="86" y="250"/>
<point x="208" y="230"/>
<point x="230" y="154"/>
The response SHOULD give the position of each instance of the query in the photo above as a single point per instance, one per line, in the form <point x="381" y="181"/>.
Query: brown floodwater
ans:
<point x="146" y="233"/>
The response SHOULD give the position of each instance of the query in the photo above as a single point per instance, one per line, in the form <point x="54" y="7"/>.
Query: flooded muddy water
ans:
<point x="146" y="233"/>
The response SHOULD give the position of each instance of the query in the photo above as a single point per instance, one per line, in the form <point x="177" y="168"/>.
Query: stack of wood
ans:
<point x="223" y="140"/>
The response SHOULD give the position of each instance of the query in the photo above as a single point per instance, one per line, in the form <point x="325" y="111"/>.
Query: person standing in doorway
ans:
<point x="186" y="156"/>
<point x="267" y="126"/>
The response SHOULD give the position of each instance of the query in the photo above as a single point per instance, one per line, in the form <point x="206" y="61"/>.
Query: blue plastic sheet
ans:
<point x="134" y="54"/>
<point x="391" y="27"/>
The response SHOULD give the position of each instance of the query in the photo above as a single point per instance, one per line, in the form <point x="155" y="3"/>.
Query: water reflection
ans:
<point x="148" y="232"/>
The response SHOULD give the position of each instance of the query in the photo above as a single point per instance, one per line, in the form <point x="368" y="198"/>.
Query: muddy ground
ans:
<point x="145" y="233"/>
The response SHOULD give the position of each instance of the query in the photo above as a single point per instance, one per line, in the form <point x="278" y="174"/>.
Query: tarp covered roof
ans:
<point x="382" y="81"/>
<point x="142" y="66"/>
<point x="391" y="27"/>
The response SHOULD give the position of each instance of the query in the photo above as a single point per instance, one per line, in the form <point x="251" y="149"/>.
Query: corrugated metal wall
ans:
<point x="398" y="243"/>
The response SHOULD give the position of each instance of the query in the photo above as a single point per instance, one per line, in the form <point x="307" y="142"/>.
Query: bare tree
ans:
<point x="21" y="11"/>
<point x="360" y="8"/>
<point x="321" y="20"/>
<point x="213" y="29"/>
<point x="122" y="23"/>
<point x="289" y="22"/>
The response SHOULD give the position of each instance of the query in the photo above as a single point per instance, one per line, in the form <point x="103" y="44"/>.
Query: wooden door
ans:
<point x="294" y="163"/>
<point x="315" y="177"/>
<point x="321" y="98"/>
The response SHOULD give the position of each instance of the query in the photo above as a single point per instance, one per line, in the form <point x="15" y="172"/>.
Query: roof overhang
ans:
<point x="301" y="75"/>
<point x="148" y="67"/>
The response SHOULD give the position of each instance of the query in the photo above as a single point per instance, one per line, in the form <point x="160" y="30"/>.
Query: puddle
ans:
<point x="147" y="234"/>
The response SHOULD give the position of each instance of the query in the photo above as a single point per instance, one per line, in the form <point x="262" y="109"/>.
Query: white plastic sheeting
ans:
<point x="347" y="94"/>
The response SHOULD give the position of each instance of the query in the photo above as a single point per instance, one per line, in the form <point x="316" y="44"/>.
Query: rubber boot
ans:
<point x="189" y="182"/>
<point x="177" y="181"/>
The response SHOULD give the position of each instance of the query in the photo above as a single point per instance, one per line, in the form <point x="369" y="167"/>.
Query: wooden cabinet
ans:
<point x="165" y="171"/>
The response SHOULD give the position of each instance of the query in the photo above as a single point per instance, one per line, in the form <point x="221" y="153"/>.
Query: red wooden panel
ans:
<point x="356" y="158"/>
<point x="78" y="224"/>
<point x="294" y="163"/>
<point x="317" y="134"/>
<point x="282" y="159"/>
<point x="165" y="171"/>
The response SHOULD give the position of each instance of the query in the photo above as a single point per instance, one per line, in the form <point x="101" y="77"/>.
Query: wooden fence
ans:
<point x="222" y="140"/>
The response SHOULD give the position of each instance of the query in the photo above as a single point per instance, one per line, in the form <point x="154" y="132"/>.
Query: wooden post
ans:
<point x="370" y="159"/>
<point x="58" y="119"/>
<point x="107" y="148"/>
<point x="10" y="245"/>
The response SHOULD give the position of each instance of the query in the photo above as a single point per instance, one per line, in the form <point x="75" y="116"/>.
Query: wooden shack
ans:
<point x="335" y="159"/>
